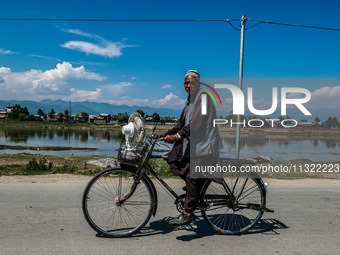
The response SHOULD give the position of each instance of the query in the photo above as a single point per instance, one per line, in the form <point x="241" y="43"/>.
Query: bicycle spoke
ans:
<point x="107" y="216"/>
<point x="232" y="215"/>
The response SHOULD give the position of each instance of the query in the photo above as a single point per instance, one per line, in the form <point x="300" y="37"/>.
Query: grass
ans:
<point x="29" y="164"/>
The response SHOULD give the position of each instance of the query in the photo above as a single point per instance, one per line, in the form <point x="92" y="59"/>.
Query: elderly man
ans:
<point x="194" y="131"/>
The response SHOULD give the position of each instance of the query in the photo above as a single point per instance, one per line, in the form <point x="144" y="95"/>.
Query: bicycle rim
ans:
<point x="103" y="213"/>
<point x="235" y="206"/>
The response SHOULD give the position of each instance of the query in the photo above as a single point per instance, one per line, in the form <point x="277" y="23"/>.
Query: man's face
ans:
<point x="191" y="84"/>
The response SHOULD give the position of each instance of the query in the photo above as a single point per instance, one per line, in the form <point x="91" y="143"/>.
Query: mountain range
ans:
<point x="95" y="108"/>
<point x="89" y="107"/>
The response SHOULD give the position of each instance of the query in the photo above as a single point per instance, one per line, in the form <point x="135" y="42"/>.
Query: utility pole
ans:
<point x="69" y="109"/>
<point x="240" y="82"/>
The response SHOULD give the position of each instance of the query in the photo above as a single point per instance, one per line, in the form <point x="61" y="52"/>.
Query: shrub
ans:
<point x="34" y="167"/>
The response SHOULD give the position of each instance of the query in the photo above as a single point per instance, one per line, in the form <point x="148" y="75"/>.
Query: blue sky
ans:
<point x="144" y="63"/>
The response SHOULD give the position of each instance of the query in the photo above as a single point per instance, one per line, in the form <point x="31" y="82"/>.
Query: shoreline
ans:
<point x="42" y="148"/>
<point x="225" y="131"/>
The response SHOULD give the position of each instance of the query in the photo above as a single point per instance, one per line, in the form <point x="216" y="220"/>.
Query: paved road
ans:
<point x="46" y="218"/>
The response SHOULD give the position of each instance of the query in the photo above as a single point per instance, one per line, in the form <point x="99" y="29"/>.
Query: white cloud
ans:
<point x="73" y="62"/>
<point x="325" y="97"/>
<point x="115" y="90"/>
<point x="102" y="47"/>
<point x="167" y="86"/>
<point x="81" y="33"/>
<point x="38" y="84"/>
<point x="54" y="78"/>
<point x="5" y="70"/>
<point x="85" y="95"/>
<point x="170" y="101"/>
<point x="126" y="100"/>
<point x="7" y="52"/>
<point x="2" y="82"/>
<point x="44" y="57"/>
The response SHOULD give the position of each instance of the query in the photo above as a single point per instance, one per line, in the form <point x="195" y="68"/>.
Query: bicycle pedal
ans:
<point x="267" y="210"/>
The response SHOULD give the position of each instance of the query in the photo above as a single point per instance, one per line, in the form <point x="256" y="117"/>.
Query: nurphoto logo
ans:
<point x="239" y="104"/>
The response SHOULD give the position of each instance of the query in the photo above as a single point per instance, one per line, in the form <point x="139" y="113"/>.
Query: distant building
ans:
<point x="3" y="114"/>
<point x="60" y="115"/>
<point x="9" y="109"/>
<point x="166" y="118"/>
<point x="101" y="118"/>
<point x="308" y="123"/>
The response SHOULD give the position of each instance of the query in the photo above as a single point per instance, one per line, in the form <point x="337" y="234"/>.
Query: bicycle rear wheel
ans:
<point x="103" y="211"/>
<point x="235" y="206"/>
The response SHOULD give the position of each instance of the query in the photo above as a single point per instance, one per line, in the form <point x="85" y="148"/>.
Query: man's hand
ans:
<point x="159" y="135"/>
<point x="170" y="139"/>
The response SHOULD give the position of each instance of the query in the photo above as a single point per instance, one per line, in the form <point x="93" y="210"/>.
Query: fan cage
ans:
<point x="131" y="156"/>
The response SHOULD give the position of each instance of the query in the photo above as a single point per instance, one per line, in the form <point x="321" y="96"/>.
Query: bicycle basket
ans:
<point x="132" y="156"/>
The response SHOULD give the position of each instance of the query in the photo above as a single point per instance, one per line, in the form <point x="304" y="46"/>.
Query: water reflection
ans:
<point x="107" y="143"/>
<point x="22" y="136"/>
<point x="284" y="148"/>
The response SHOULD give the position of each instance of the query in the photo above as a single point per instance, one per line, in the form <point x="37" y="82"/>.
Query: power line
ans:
<point x="293" y="25"/>
<point x="233" y="25"/>
<point x="171" y="20"/>
<point x="122" y="20"/>
<point x="253" y="25"/>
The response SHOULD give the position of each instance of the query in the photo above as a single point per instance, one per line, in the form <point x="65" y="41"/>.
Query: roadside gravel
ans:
<point x="71" y="178"/>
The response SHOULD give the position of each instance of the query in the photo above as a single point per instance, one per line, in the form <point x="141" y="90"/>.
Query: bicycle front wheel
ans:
<point x="103" y="210"/>
<point x="235" y="206"/>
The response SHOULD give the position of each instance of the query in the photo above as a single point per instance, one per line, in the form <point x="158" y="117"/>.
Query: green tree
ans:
<point x="26" y="112"/>
<point x="317" y="119"/>
<point x="31" y="117"/>
<point x="17" y="111"/>
<point x="22" y="116"/>
<point x="335" y="122"/>
<point x="67" y="114"/>
<point x="84" y="116"/>
<point x="141" y="112"/>
<point x="41" y="112"/>
<point x="123" y="117"/>
<point x="51" y="114"/>
<point x="329" y="122"/>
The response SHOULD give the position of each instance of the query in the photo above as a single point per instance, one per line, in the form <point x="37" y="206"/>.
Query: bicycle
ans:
<point x="119" y="201"/>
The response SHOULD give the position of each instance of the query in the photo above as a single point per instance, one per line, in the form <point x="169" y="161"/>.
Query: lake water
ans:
<point x="107" y="143"/>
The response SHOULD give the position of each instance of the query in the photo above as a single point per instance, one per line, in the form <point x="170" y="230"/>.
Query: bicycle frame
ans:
<point x="146" y="167"/>
<point x="152" y="172"/>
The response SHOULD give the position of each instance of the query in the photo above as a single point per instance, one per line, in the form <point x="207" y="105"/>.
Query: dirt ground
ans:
<point x="70" y="178"/>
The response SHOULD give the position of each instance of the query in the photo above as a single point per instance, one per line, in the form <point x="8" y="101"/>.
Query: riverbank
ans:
<point x="43" y="148"/>
<point x="224" y="131"/>
<point x="271" y="132"/>
<point x="29" y="164"/>
<point x="57" y="125"/>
